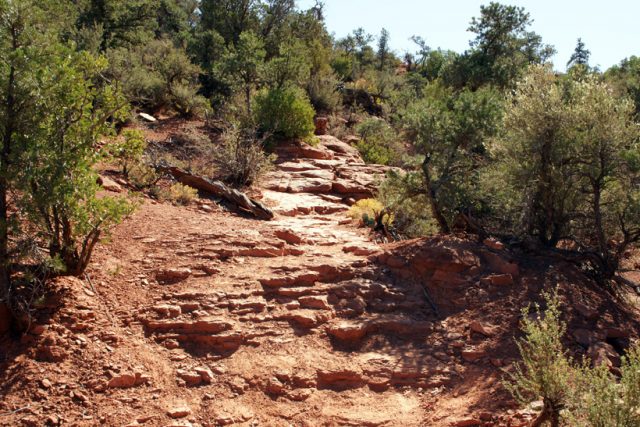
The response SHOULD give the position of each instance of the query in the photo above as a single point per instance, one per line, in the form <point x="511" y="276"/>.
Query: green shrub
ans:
<point x="368" y="211"/>
<point x="285" y="113"/>
<point x="601" y="400"/>
<point x="241" y="158"/>
<point x="403" y="195"/>
<point x="142" y="176"/>
<point x="157" y="75"/>
<point x="186" y="101"/>
<point x="323" y="93"/>
<point x="179" y="194"/>
<point x="379" y="142"/>
<point x="545" y="372"/>
<point x="580" y="394"/>
<point x="128" y="151"/>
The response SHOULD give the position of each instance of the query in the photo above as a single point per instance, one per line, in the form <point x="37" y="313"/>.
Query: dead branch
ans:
<point x="219" y="189"/>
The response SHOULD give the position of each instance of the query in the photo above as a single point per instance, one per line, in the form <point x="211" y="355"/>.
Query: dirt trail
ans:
<point x="199" y="316"/>
<point x="272" y="323"/>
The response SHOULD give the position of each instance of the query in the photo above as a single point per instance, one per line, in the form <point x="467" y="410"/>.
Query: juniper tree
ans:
<point x="580" y="55"/>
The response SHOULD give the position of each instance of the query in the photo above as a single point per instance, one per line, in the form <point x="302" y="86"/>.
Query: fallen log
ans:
<point x="219" y="189"/>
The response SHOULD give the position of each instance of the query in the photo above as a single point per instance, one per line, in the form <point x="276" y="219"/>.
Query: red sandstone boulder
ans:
<point x="472" y="355"/>
<point x="602" y="353"/>
<point x="288" y="236"/>
<point x="499" y="264"/>
<point x="341" y="149"/>
<point x="347" y="331"/>
<point x="482" y="329"/>
<point x="498" y="280"/>
<point x="322" y="124"/>
<point x="309" y="185"/>
<point x="584" y="337"/>
<point x="109" y="184"/>
<point x="493" y="243"/>
<point x="297" y="149"/>
<point x="122" y="381"/>
<point x="172" y="275"/>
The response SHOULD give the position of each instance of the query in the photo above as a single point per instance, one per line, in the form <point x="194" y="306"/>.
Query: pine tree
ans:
<point x="383" y="49"/>
<point x="580" y="55"/>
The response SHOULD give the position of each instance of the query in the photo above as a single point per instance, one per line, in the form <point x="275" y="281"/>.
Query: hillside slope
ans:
<point x="200" y="316"/>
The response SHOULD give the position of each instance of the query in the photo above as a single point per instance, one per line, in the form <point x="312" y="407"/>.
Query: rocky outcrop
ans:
<point x="109" y="184"/>
<point x="321" y="123"/>
<point x="333" y="166"/>
<point x="447" y="268"/>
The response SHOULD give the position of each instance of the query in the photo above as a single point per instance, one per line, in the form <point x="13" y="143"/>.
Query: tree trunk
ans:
<point x="436" y="210"/>
<point x="549" y="413"/>
<point x="247" y="95"/>
<point x="555" y="419"/>
<point x="5" y="272"/>
<point x="219" y="189"/>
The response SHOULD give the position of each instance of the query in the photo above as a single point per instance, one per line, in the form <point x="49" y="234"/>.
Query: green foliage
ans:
<point x="404" y="196"/>
<point x="142" y="176"/>
<point x="243" y="64"/>
<point x="291" y="66"/>
<point x="179" y="194"/>
<point x="229" y="18"/>
<point x="157" y="75"/>
<point x="369" y="212"/>
<point x="285" y="113"/>
<point x="580" y="55"/>
<point x="384" y="52"/>
<point x="55" y="107"/>
<point x="601" y="400"/>
<point x="128" y="151"/>
<point x="430" y="64"/>
<point x="58" y="180"/>
<point x="379" y="143"/>
<point x="625" y="78"/>
<point x="323" y="93"/>
<point x="120" y="24"/>
<point x="241" y="159"/>
<point x="355" y="55"/>
<point x="175" y="19"/>
<point x="24" y="47"/>
<point x="564" y="140"/>
<point x="450" y="129"/>
<point x="342" y="65"/>
<point x="577" y="394"/>
<point x="502" y="50"/>
<point x="545" y="370"/>
<point x="533" y="153"/>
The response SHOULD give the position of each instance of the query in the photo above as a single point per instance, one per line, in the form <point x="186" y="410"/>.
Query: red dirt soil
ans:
<point x="199" y="316"/>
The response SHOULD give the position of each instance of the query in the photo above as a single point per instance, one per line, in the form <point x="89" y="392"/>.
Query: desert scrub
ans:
<point x="378" y="143"/>
<point x="241" y="159"/>
<point x="128" y="150"/>
<point x="601" y="399"/>
<point x="179" y="194"/>
<point x="402" y="193"/>
<point x="285" y="113"/>
<point x="143" y="177"/>
<point x="368" y="211"/>
<point x="545" y="371"/>
<point x="576" y="394"/>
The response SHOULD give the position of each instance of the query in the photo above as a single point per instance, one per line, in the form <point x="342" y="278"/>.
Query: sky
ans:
<point x="610" y="29"/>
